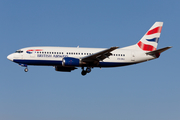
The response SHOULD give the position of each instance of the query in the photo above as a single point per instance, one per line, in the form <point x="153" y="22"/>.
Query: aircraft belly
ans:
<point x="39" y="62"/>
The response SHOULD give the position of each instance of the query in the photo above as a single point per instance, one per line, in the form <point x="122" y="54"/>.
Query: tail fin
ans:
<point x="150" y="40"/>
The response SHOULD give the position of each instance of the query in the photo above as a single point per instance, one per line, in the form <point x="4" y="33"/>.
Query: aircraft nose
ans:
<point x="10" y="57"/>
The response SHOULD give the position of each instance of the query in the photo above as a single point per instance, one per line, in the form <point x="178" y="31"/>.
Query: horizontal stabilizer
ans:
<point x="158" y="51"/>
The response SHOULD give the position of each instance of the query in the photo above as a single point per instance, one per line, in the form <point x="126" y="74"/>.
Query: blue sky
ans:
<point x="147" y="90"/>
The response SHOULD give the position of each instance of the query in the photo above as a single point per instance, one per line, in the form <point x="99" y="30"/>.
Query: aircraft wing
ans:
<point x="99" y="56"/>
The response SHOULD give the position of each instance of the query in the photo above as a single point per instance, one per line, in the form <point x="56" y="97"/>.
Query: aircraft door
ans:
<point x="132" y="56"/>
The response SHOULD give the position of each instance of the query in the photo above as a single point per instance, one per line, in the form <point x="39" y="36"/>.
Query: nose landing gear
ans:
<point x="24" y="65"/>
<point x="26" y="69"/>
<point x="84" y="72"/>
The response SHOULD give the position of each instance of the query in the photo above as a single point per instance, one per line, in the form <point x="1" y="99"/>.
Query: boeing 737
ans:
<point x="66" y="59"/>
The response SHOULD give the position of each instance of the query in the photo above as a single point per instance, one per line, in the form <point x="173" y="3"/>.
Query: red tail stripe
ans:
<point x="146" y="47"/>
<point x="155" y="30"/>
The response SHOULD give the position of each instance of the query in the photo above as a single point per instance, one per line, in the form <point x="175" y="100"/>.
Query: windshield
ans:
<point x="19" y="51"/>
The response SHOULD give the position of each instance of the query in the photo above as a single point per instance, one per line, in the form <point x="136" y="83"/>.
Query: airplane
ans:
<point x="66" y="59"/>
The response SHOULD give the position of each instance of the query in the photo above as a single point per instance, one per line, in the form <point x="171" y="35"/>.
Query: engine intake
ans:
<point x="69" y="61"/>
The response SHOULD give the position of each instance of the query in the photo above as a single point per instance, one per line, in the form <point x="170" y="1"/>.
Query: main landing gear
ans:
<point x="84" y="72"/>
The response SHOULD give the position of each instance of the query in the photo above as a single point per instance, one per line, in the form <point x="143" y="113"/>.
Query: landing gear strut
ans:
<point x="84" y="72"/>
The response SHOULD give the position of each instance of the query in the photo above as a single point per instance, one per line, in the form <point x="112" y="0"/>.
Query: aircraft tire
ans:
<point x="26" y="69"/>
<point x="88" y="70"/>
<point x="83" y="72"/>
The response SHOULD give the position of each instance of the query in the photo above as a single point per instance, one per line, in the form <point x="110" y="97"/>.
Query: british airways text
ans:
<point x="55" y="56"/>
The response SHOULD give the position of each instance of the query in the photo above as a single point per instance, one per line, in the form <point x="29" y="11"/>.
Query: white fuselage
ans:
<point x="53" y="56"/>
<point x="66" y="59"/>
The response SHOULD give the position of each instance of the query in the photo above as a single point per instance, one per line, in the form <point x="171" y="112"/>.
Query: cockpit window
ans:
<point x="19" y="51"/>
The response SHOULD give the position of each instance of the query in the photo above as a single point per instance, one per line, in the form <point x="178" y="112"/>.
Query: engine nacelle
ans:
<point x="69" y="61"/>
<point x="64" y="69"/>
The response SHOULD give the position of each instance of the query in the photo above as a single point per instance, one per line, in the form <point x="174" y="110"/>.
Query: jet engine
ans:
<point x="69" y="61"/>
<point x="64" y="69"/>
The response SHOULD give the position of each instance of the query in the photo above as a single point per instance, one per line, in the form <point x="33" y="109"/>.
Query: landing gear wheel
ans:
<point x="26" y="69"/>
<point x="88" y="70"/>
<point x="83" y="72"/>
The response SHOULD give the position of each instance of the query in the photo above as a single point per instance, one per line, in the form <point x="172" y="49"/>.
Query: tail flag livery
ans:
<point x="150" y="40"/>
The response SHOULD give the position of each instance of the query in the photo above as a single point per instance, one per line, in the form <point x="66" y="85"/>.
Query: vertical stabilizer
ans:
<point x="150" y="40"/>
